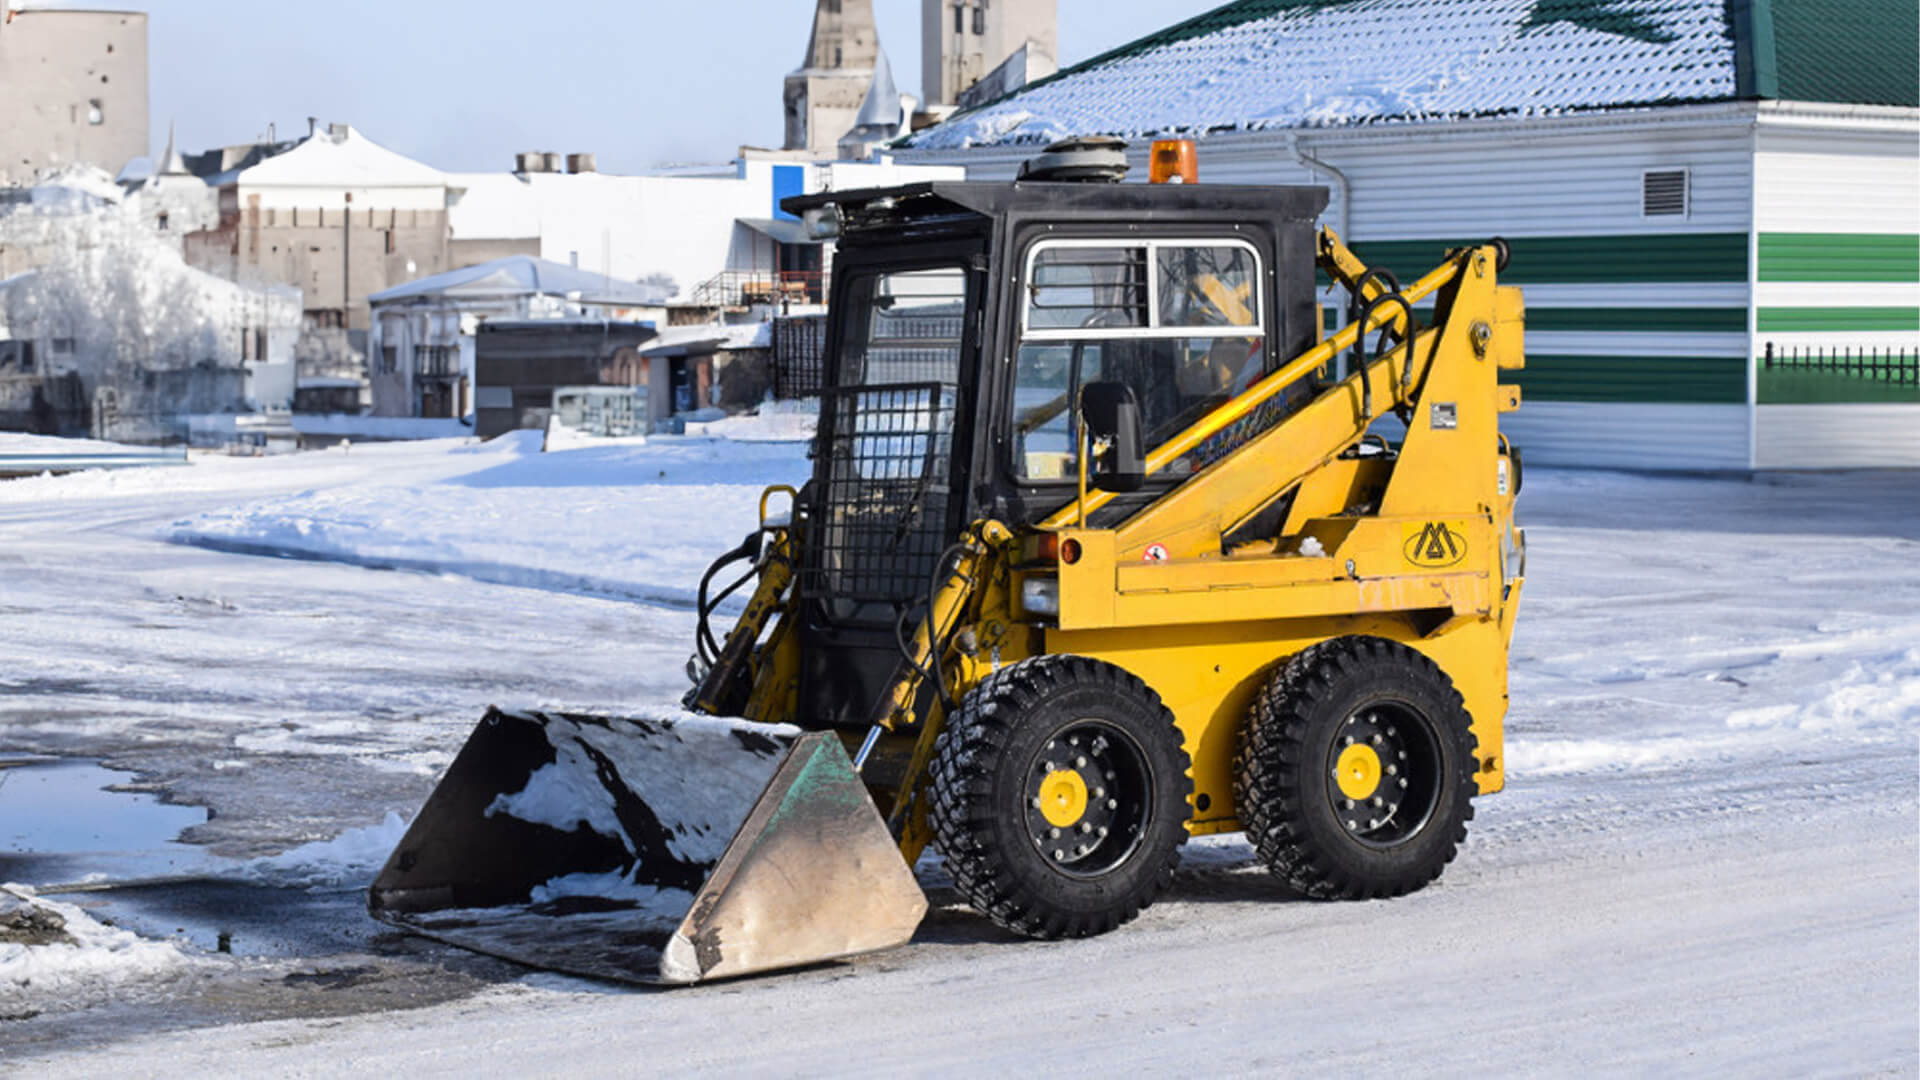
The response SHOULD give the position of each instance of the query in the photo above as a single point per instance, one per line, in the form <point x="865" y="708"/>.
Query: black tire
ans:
<point x="1043" y="725"/>
<point x="1304" y="790"/>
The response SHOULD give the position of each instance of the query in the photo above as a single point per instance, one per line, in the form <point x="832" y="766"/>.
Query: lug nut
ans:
<point x="1346" y="740"/>
<point x="1059" y="856"/>
<point x="1403" y="755"/>
<point x="1403" y="781"/>
<point x="1054" y="833"/>
<point x="1113" y="804"/>
<point x="1378" y="801"/>
<point x="1034" y="802"/>
<point x="1373" y="823"/>
<point x="1393" y="770"/>
<point x="1102" y="831"/>
<point x="1086" y="827"/>
<point x="1080" y="762"/>
<point x="1391" y="731"/>
<point x="1377" y="740"/>
<point x="1099" y="793"/>
<point x="1346" y="804"/>
<point x="1352" y="825"/>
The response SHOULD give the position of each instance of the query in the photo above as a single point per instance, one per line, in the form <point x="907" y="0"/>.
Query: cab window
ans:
<point x="1180" y="322"/>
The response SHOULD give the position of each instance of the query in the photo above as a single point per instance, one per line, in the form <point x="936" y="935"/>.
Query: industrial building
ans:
<point x="1714" y="207"/>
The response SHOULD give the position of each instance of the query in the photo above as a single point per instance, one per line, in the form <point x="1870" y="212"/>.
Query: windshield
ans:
<point x="1180" y="322"/>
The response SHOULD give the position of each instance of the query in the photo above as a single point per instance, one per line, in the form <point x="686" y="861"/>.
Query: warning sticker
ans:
<point x="1435" y="544"/>
<point x="1154" y="553"/>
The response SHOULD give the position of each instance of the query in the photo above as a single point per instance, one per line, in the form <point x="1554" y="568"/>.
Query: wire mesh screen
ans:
<point x="799" y="356"/>
<point x="882" y="519"/>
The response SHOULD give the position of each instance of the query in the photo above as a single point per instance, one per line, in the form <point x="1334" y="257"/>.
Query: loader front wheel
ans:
<point x="1060" y="795"/>
<point x="1355" y="774"/>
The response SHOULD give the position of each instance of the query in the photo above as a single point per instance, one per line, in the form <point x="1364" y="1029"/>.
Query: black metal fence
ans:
<point x="1898" y="367"/>
<point x="883" y="518"/>
<point x="799" y="355"/>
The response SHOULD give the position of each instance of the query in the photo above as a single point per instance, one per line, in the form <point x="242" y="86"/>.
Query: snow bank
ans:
<point x="1877" y="693"/>
<point x="80" y="970"/>
<point x="349" y="860"/>
<point x="629" y="521"/>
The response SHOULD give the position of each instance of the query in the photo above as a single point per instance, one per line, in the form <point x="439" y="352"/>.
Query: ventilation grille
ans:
<point x="1663" y="193"/>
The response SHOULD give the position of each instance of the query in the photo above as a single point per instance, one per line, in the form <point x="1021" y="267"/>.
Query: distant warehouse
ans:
<point x="1714" y="205"/>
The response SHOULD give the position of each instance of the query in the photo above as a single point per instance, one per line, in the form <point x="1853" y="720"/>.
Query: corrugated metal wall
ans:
<point x="1638" y="342"/>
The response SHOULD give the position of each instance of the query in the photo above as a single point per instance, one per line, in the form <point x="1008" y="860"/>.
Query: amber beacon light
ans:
<point x="1173" y="162"/>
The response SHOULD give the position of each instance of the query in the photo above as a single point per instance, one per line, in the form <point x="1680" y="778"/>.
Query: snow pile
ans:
<point x="1324" y="64"/>
<point x="59" y="957"/>
<point x="775" y="421"/>
<point x="349" y="860"/>
<point x="631" y="521"/>
<point x="21" y="443"/>
<point x="1880" y="693"/>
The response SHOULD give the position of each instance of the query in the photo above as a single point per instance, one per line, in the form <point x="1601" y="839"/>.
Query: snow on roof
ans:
<point x="523" y="275"/>
<point x="346" y="160"/>
<point x="710" y="337"/>
<point x="1310" y="63"/>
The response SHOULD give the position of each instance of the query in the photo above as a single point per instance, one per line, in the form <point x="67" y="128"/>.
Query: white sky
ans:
<point x="463" y="84"/>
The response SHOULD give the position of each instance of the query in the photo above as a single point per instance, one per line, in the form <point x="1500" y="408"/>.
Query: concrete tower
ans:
<point x="73" y="89"/>
<point x="963" y="42"/>
<point x="823" y="97"/>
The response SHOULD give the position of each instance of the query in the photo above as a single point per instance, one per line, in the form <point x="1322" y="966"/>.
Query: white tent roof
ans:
<point x="523" y="275"/>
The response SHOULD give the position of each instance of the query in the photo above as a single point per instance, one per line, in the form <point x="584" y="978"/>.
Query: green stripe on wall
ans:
<point x="1713" y="380"/>
<point x="1839" y="257"/>
<point x="1830" y="319"/>
<point x="1582" y="260"/>
<point x="1614" y="320"/>
<point x="1646" y="320"/>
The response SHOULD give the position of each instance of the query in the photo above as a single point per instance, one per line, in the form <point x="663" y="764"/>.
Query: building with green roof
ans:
<point x="1714" y="205"/>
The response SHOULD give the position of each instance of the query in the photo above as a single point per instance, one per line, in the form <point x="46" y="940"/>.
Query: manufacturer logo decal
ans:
<point x="1435" y="544"/>
<point x="1154" y="553"/>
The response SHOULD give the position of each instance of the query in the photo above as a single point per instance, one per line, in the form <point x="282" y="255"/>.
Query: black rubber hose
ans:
<point x="1360" y="343"/>
<point x="703" y="638"/>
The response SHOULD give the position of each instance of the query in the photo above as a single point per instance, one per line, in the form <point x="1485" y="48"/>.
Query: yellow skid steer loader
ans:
<point x="1107" y="544"/>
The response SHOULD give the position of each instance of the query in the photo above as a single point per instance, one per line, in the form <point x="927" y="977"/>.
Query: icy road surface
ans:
<point x="1705" y="861"/>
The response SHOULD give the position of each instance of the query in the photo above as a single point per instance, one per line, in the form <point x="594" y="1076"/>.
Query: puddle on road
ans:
<point x="59" y="826"/>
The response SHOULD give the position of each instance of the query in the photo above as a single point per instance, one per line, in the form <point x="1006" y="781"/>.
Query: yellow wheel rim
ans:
<point x="1358" y="771"/>
<point x="1063" y="798"/>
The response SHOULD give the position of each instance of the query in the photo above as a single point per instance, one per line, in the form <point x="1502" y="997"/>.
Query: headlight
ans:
<point x="1040" y="596"/>
<point x="1513" y="554"/>
<point x="822" y="222"/>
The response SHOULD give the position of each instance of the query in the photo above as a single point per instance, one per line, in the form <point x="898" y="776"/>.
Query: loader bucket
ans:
<point x="654" y="850"/>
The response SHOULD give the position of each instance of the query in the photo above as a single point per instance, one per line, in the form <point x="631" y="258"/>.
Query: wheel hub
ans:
<point x="1358" y="771"/>
<point x="1382" y="766"/>
<point x="1086" y="798"/>
<point x="1063" y="797"/>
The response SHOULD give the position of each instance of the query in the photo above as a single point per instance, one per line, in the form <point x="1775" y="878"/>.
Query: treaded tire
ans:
<point x="1294" y="803"/>
<point x="984" y="779"/>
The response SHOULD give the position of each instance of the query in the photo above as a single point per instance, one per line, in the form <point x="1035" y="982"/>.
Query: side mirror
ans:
<point x="1112" y="416"/>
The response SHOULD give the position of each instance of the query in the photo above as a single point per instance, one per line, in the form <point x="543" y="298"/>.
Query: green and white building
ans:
<point x="1714" y="205"/>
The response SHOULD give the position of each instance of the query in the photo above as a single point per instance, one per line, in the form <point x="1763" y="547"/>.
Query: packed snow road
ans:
<point x="1705" y="859"/>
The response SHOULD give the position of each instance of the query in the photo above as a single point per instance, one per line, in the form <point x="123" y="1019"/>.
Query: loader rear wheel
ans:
<point x="1060" y="796"/>
<point x="1355" y="774"/>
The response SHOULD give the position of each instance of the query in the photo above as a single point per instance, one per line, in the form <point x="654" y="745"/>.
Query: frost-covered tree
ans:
<point x="122" y="297"/>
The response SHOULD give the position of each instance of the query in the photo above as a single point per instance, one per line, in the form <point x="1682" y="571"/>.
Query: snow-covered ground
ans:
<point x="1705" y="860"/>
